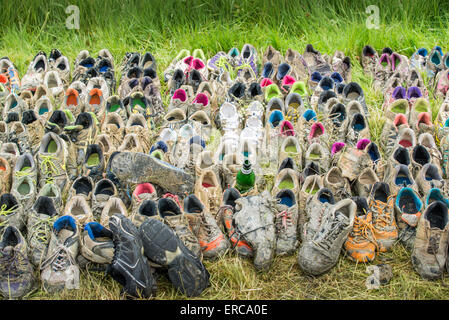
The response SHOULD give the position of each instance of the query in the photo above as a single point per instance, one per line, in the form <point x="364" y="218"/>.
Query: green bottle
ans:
<point x="246" y="178"/>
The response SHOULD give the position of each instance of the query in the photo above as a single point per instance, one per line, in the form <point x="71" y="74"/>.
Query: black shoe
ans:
<point x="129" y="267"/>
<point x="162" y="246"/>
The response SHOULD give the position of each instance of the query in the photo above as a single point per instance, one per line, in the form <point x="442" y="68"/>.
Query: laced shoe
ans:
<point x="319" y="155"/>
<point x="315" y="208"/>
<point x="102" y="192"/>
<point x="137" y="125"/>
<point x="10" y="152"/>
<point x="94" y="164"/>
<point x="315" y="61"/>
<point x="72" y="101"/>
<point x="312" y="184"/>
<point x="145" y="210"/>
<point x="82" y="186"/>
<point x="114" y="206"/>
<point x="95" y="102"/>
<point x="24" y="190"/>
<point x="129" y="266"/>
<point x="320" y="254"/>
<point x="17" y="274"/>
<point x="417" y="107"/>
<point x="18" y="134"/>
<point x="408" y="208"/>
<point x="36" y="71"/>
<point x="114" y="127"/>
<point x="353" y="92"/>
<point x="204" y="226"/>
<point x="429" y="254"/>
<point x="50" y="190"/>
<point x="390" y="132"/>
<point x="401" y="177"/>
<point x="58" y="120"/>
<point x="54" y="85"/>
<point x="254" y="218"/>
<point x="59" y="270"/>
<point x="177" y="220"/>
<point x="406" y="138"/>
<point x="286" y="179"/>
<point x="143" y="192"/>
<point x="3" y="131"/>
<point x="286" y="222"/>
<point x="25" y="166"/>
<point x="208" y="190"/>
<point x="40" y="221"/>
<point x="381" y="206"/>
<point x="96" y="246"/>
<point x="114" y="105"/>
<point x="164" y="247"/>
<point x="419" y="156"/>
<point x="13" y="104"/>
<point x="365" y="182"/>
<point x="434" y="63"/>
<point x="382" y="71"/>
<point x="43" y="108"/>
<point x="351" y="161"/>
<point x="297" y="62"/>
<point x="5" y="175"/>
<point x="357" y="129"/>
<point x="291" y="148"/>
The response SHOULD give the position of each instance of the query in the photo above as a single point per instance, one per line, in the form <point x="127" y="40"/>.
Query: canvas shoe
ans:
<point x="429" y="254"/>
<point x="203" y="224"/>
<point x="129" y="266"/>
<point x="102" y="192"/>
<point x="162" y="246"/>
<point x="408" y="208"/>
<point x="316" y="206"/>
<point x="321" y="253"/>
<point x="40" y="221"/>
<point x="114" y="206"/>
<point x="252" y="213"/>
<point x="16" y="271"/>
<point x="177" y="220"/>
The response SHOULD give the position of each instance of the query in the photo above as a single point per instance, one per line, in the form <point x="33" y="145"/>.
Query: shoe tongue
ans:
<point x="102" y="197"/>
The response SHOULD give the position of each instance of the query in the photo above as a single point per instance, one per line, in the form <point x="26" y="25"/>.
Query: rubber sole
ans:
<point x="162" y="246"/>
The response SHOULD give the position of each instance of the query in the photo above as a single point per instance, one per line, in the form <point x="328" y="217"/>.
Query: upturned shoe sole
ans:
<point x="162" y="246"/>
<point x="136" y="167"/>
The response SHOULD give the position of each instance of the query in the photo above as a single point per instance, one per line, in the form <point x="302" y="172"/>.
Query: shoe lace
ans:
<point x="6" y="212"/>
<point x="381" y="217"/>
<point x="284" y="220"/>
<point x="58" y="260"/>
<point x="42" y="228"/>
<point x="335" y="227"/>
<point x="362" y="230"/>
<point x="13" y="264"/>
<point x="48" y="167"/>
<point x="223" y="63"/>
<point x="243" y="66"/>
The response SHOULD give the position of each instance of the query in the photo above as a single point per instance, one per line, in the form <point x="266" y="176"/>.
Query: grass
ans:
<point x="164" y="27"/>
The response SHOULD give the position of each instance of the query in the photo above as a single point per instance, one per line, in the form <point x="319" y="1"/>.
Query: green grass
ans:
<point x="165" y="27"/>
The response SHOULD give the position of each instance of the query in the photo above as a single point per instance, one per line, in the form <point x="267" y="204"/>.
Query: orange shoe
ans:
<point x="360" y="245"/>
<point x="381" y="205"/>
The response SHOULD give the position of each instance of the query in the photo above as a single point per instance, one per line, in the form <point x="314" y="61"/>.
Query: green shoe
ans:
<point x="299" y="87"/>
<point x="272" y="91"/>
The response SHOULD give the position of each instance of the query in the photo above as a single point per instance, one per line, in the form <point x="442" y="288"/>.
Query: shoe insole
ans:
<point x="138" y="102"/>
<point x="114" y="107"/>
<point x="286" y="184"/>
<point x="314" y="156"/>
<point x="353" y="95"/>
<point x="25" y="168"/>
<point x="95" y="100"/>
<point x="42" y="111"/>
<point x="358" y="127"/>
<point x="405" y="143"/>
<point x="246" y="154"/>
<point x="324" y="199"/>
<point x="93" y="159"/>
<point x="293" y="105"/>
<point x="400" y="108"/>
<point x="24" y="189"/>
<point x="286" y="201"/>
<point x="421" y="108"/>
<point x="71" y="100"/>
<point x="52" y="147"/>
<point x="207" y="185"/>
<point x="400" y="181"/>
<point x="407" y="204"/>
<point x="291" y="149"/>
<point x="311" y="191"/>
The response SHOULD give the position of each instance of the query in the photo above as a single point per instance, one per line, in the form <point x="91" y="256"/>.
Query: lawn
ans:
<point x="165" y="27"/>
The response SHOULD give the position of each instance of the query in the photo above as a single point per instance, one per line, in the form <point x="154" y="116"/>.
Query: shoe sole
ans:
<point x="162" y="246"/>
<point x="136" y="167"/>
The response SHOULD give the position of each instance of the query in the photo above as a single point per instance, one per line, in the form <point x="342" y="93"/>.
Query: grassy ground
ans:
<point x="164" y="27"/>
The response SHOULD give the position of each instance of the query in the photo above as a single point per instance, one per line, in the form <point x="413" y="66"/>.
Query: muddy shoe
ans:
<point x="139" y="167"/>
<point x="254" y="219"/>
<point x="286" y="222"/>
<point x="163" y="247"/>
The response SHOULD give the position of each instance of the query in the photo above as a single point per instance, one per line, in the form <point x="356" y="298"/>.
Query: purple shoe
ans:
<point x="248" y="56"/>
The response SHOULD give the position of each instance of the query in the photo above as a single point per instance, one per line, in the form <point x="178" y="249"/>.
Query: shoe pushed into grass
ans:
<point x="163" y="247"/>
<point x="129" y="266"/>
<point x="16" y="271"/>
<point x="59" y="270"/>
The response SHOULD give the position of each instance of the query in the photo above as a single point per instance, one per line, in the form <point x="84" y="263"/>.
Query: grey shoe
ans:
<point x="11" y="212"/>
<point x="254" y="219"/>
<point x="316" y="206"/>
<point x="139" y="168"/>
<point x="321" y="253"/>
<point x="429" y="253"/>
<point x="286" y="222"/>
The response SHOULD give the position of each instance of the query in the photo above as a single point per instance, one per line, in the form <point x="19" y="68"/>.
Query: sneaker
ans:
<point x="320" y="254"/>
<point x="401" y="177"/>
<point x="418" y="59"/>
<point x="129" y="266"/>
<point x="428" y="178"/>
<point x="5" y="175"/>
<point x="353" y="92"/>
<point x="140" y="168"/>
<point x="365" y="182"/>
<point x="339" y="185"/>
<point x="286" y="222"/>
<point x="78" y="208"/>
<point x="82" y="186"/>
<point x="254" y="218"/>
<point x="16" y="271"/>
<point x="361" y="244"/>
<point x="286" y="179"/>
<point x="408" y="208"/>
<point x="381" y="206"/>
<point x="11" y="212"/>
<point x="315" y="207"/>
<point x="369" y="60"/>
<point x="24" y="190"/>
<point x="59" y="270"/>
<point x="203" y="224"/>
<point x="96" y="244"/>
<point x="163" y="246"/>
<point x="52" y="191"/>
<point x="429" y="254"/>
<point x="312" y="184"/>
